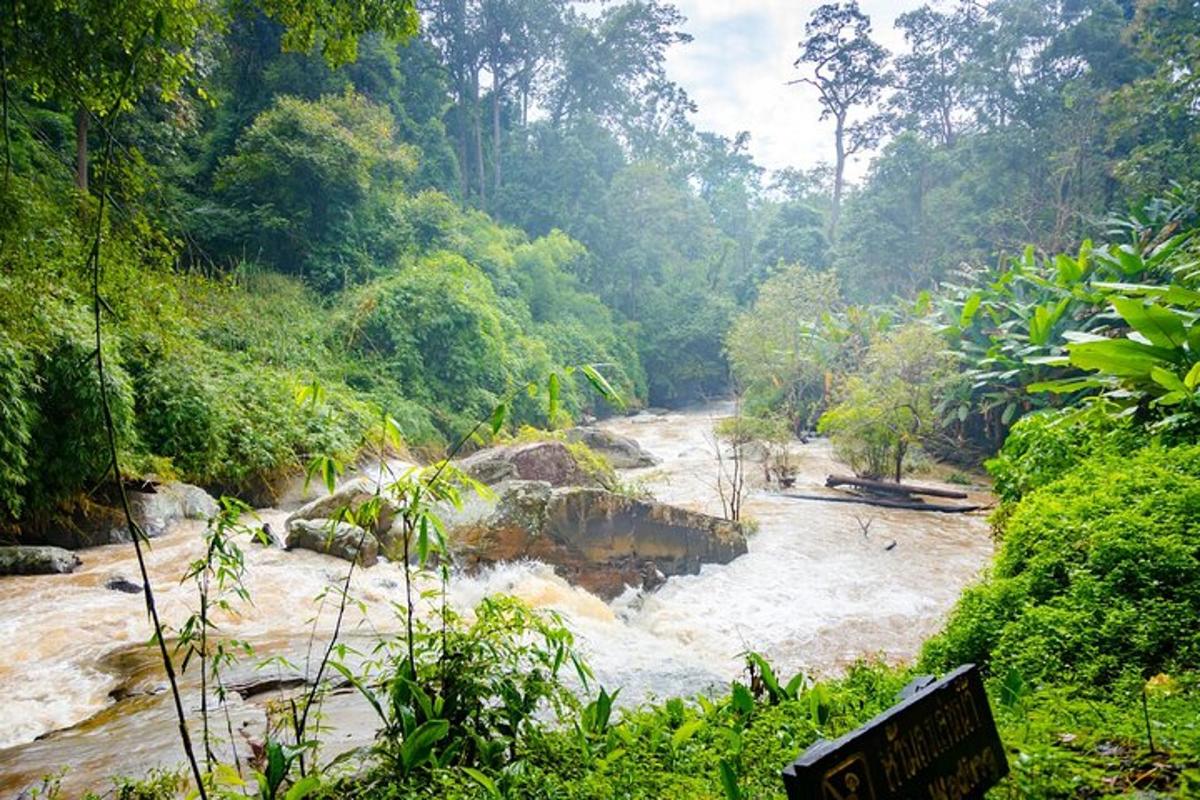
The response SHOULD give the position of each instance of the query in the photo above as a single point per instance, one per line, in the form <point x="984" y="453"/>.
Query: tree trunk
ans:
<point x="4" y="100"/>
<point x="81" y="149"/>
<point x="480" y="171"/>
<point x="839" y="173"/>
<point x="464" y="169"/>
<point x="887" y="487"/>
<point x="495" y="132"/>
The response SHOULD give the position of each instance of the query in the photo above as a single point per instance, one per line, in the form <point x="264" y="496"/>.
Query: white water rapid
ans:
<point x="813" y="593"/>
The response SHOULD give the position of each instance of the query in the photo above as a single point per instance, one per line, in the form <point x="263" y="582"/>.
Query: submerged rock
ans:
<point x="37" y="560"/>
<point x="119" y="583"/>
<point x="621" y="451"/>
<point x="338" y="539"/>
<point x="155" y="507"/>
<point x="598" y="539"/>
<point x="548" y="461"/>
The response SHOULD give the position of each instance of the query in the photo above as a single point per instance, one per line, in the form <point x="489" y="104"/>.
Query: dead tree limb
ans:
<point x="885" y="502"/>
<point x="887" y="487"/>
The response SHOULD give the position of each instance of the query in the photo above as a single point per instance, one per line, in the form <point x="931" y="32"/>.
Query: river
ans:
<point x="814" y="593"/>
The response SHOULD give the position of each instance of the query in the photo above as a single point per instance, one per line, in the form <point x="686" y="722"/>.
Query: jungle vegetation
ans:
<point x="416" y="211"/>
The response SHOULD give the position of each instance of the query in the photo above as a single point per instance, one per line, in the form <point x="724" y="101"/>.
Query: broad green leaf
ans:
<point x="1064" y="385"/>
<point x="1068" y="268"/>
<point x="1168" y="380"/>
<point x="1040" y="326"/>
<point x="729" y="782"/>
<point x="418" y="745"/>
<point x="1193" y="376"/>
<point x="601" y="385"/>
<point x="1161" y="326"/>
<point x="303" y="788"/>
<point x="487" y="783"/>
<point x="686" y="731"/>
<point x="1121" y="357"/>
<point x="741" y="698"/>
<point x="1170" y="293"/>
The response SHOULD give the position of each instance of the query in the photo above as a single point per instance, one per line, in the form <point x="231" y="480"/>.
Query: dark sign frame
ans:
<point x="940" y="743"/>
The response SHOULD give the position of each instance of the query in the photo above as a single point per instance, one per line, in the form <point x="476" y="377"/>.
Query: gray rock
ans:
<point x="548" y="461"/>
<point x="350" y="495"/>
<point x="155" y="508"/>
<point x="598" y="539"/>
<point x="621" y="451"/>
<point x="37" y="560"/>
<point x="340" y="540"/>
<point x="119" y="583"/>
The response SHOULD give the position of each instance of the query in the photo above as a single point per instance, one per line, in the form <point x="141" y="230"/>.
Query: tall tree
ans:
<point x="519" y="37"/>
<point x="614" y="62"/>
<point x="454" y="28"/>
<point x="929" y="78"/>
<point x="846" y="67"/>
<point x="92" y="56"/>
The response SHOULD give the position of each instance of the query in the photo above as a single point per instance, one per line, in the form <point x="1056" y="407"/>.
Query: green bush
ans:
<point x="1045" y="445"/>
<point x="1097" y="580"/>
<point x="69" y="448"/>
<point x="17" y="416"/>
<point x="435" y="329"/>
<point x="180" y="415"/>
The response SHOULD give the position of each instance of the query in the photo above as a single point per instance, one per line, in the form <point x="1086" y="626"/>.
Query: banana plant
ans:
<point x="1154" y="367"/>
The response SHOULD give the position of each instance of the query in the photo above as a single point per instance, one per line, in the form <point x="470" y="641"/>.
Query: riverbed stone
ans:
<point x="548" y="461"/>
<point x="119" y="583"/>
<point x="37" y="560"/>
<point x="339" y="539"/>
<point x="155" y="506"/>
<point x="597" y="539"/>
<point x="351" y="496"/>
<point x="621" y="451"/>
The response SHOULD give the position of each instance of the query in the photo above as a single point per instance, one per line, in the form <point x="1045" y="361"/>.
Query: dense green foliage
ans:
<point x="319" y="223"/>
<point x="1096" y="580"/>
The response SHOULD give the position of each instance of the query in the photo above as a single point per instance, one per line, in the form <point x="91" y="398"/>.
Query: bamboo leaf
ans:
<point x="552" y="392"/>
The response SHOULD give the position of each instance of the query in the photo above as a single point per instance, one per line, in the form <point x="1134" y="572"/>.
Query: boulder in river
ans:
<point x="548" y="461"/>
<point x="37" y="560"/>
<point x="351" y="495"/>
<point x="621" y="451"/>
<point x="119" y="583"/>
<point x="155" y="507"/>
<point x="338" y="539"/>
<point x="597" y="539"/>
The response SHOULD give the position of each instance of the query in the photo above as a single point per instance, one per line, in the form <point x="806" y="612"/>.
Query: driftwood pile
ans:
<point x="907" y="496"/>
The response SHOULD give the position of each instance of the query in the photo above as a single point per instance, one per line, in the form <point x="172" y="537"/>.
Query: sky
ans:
<point x="737" y="67"/>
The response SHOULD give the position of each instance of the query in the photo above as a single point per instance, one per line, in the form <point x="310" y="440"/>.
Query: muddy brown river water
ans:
<point x="81" y="691"/>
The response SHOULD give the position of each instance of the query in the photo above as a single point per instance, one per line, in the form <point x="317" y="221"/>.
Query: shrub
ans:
<point x="1097" y="579"/>
<point x="70" y="443"/>
<point x="435" y="329"/>
<point x="1043" y="446"/>
<point x="180" y="416"/>
<point x="884" y="412"/>
<point x="17" y="416"/>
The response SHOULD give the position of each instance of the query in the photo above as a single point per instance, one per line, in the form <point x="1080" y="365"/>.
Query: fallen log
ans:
<point x="885" y="502"/>
<point x="886" y="487"/>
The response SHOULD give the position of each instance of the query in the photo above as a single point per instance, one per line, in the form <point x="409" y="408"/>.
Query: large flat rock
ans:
<point x="597" y="539"/>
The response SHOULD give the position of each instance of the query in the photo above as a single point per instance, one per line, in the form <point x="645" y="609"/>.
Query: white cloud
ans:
<point x="738" y="66"/>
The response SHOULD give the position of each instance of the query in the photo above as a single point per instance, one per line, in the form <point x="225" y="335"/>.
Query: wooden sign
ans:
<point x="940" y="743"/>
